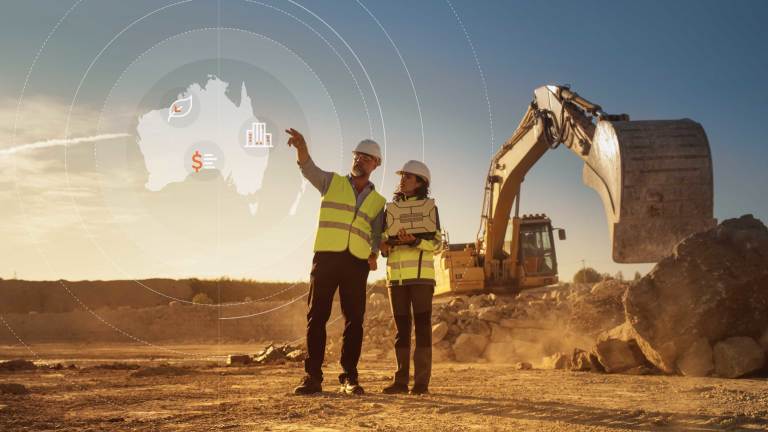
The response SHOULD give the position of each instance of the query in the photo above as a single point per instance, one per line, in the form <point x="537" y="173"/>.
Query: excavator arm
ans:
<point x="653" y="177"/>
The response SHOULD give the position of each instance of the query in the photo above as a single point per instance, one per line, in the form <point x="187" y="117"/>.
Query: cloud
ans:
<point x="39" y="194"/>
<point x="42" y="118"/>
<point x="60" y="142"/>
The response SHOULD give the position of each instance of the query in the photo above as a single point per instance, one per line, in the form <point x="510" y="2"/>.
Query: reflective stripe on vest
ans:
<point x="403" y="263"/>
<point x="340" y="226"/>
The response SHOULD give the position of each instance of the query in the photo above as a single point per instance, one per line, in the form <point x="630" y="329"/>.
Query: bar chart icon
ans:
<point x="257" y="136"/>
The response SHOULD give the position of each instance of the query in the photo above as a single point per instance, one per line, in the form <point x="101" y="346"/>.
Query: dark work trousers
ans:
<point x="350" y="275"/>
<point x="404" y="299"/>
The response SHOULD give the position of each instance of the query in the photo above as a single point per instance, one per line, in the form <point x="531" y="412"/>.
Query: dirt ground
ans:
<point x="201" y="393"/>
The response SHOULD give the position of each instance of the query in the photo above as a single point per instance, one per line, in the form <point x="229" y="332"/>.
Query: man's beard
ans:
<point x="357" y="171"/>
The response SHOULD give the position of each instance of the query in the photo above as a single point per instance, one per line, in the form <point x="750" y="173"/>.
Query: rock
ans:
<point x="594" y="313"/>
<point x="697" y="359"/>
<point x="584" y="361"/>
<point x="439" y="331"/>
<point x="278" y="354"/>
<point x="499" y="352"/>
<point x="617" y="351"/>
<point x="447" y="316"/>
<point x="523" y="366"/>
<point x="459" y="301"/>
<point x="469" y="347"/>
<point x="17" y="365"/>
<point x="738" y="356"/>
<point x="13" y="388"/>
<point x="269" y="355"/>
<point x="556" y="361"/>
<point x="489" y="314"/>
<point x="478" y="301"/>
<point x="377" y="300"/>
<point x="297" y="355"/>
<point x="441" y="352"/>
<point x="478" y="327"/>
<point x="714" y="285"/>
<point x="239" y="360"/>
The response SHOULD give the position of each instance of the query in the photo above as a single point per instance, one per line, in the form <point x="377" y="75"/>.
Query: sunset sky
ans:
<point x="446" y="82"/>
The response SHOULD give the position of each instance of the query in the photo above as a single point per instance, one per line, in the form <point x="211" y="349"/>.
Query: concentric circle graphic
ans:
<point x="199" y="181"/>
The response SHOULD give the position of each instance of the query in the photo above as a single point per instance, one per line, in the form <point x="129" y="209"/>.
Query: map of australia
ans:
<point x="204" y="130"/>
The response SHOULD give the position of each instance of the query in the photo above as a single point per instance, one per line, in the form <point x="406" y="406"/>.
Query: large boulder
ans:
<point x="697" y="359"/>
<point x="714" y="285"/>
<point x="469" y="347"/>
<point x="583" y="361"/>
<point x="441" y="352"/>
<point x="617" y="351"/>
<point x="598" y="310"/>
<point x="738" y="356"/>
<point x="556" y="361"/>
<point x="439" y="331"/>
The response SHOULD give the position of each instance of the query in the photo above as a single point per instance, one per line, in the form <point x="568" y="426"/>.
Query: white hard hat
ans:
<point x="369" y="147"/>
<point x="417" y="168"/>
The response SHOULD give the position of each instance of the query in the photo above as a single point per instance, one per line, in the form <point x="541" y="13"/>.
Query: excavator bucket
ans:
<point x="655" y="181"/>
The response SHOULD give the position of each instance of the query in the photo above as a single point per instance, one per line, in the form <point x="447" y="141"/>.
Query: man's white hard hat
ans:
<point x="369" y="147"/>
<point x="416" y="168"/>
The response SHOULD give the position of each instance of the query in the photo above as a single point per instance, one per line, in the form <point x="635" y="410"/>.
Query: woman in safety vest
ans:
<point x="411" y="284"/>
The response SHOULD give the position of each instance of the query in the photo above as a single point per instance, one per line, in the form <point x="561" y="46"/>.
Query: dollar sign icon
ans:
<point x="196" y="162"/>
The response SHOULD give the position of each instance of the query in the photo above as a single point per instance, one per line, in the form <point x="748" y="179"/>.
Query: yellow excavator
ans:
<point x="654" y="178"/>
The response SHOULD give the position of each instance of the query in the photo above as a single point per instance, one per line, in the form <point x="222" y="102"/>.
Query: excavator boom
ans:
<point x="653" y="177"/>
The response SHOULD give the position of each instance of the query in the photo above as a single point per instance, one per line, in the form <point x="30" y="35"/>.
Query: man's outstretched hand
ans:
<point x="299" y="143"/>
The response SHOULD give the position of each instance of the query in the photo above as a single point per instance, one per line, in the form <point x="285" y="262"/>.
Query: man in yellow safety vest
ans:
<point x="346" y="249"/>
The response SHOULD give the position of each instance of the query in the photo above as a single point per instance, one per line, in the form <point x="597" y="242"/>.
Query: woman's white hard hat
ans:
<point x="416" y="168"/>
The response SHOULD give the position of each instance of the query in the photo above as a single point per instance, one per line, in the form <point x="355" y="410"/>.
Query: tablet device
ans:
<point x="417" y="217"/>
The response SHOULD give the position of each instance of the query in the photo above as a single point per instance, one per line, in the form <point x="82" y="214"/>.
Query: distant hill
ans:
<point x="20" y="296"/>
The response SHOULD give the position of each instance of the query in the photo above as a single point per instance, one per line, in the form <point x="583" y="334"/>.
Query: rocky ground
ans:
<point x="683" y="348"/>
<point x="134" y="387"/>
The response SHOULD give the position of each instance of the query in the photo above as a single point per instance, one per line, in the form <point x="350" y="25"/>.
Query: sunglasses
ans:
<point x="364" y="157"/>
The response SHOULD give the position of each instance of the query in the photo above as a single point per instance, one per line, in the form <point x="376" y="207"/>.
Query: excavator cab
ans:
<point x="537" y="248"/>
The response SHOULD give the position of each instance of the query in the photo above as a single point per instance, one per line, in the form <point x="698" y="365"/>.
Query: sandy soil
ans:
<point x="203" y="394"/>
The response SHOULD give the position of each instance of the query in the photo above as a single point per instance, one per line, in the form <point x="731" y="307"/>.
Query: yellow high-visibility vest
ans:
<point x="412" y="263"/>
<point x="340" y="226"/>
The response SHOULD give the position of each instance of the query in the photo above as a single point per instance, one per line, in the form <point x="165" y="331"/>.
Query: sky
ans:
<point x="445" y="82"/>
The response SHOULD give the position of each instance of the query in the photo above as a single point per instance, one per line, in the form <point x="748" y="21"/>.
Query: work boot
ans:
<point x="309" y="385"/>
<point x="395" y="388"/>
<point x="419" y="389"/>
<point x="350" y="386"/>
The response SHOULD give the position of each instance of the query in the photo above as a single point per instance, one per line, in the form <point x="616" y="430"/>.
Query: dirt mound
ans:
<point x="113" y="366"/>
<point x="17" y="365"/>
<point x="20" y="296"/>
